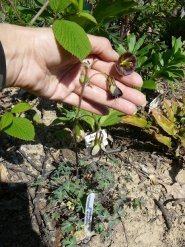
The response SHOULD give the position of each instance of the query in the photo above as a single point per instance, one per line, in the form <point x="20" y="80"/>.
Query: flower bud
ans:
<point x="114" y="91"/>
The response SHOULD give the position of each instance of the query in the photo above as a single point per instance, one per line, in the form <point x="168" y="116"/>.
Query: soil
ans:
<point x="157" y="177"/>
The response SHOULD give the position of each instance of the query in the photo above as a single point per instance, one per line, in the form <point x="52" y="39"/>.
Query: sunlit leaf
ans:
<point x="163" y="139"/>
<point x="165" y="123"/>
<point x="88" y="16"/>
<point x="21" y="107"/>
<point x="72" y="38"/>
<point x="21" y="128"/>
<point x="140" y="122"/>
<point x="169" y="110"/>
<point x="6" y="120"/>
<point x="58" y="5"/>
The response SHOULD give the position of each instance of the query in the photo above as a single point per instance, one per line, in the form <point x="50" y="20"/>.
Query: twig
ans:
<point x="110" y="151"/>
<point x="39" y="13"/>
<point x="179" y="201"/>
<point x="126" y="238"/>
<point x="164" y="213"/>
<point x="16" y="12"/>
<point x="37" y="211"/>
<point x="9" y="166"/>
<point x="24" y="154"/>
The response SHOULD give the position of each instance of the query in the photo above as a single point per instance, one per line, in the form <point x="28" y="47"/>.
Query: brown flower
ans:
<point x="126" y="63"/>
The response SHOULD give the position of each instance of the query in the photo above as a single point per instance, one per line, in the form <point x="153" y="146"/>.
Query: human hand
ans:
<point x="39" y="65"/>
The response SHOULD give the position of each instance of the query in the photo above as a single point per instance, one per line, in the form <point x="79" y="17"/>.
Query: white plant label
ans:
<point x="88" y="216"/>
<point x="91" y="137"/>
<point x="154" y="103"/>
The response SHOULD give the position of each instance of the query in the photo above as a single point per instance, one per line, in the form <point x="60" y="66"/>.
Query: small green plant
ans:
<point x="94" y="121"/>
<point x="13" y="124"/>
<point x="70" y="195"/>
<point x="167" y="126"/>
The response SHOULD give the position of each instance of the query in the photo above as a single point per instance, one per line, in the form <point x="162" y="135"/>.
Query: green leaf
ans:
<point x="63" y="134"/>
<point x="163" y="139"/>
<point x="75" y="2"/>
<point x="6" y="120"/>
<point x="166" y="56"/>
<point x="21" y="128"/>
<point x="111" y="119"/>
<point x="120" y="49"/>
<point x="165" y="123"/>
<point x="21" y="107"/>
<point x="72" y="38"/>
<point x="138" y="44"/>
<point x="176" y="44"/>
<point x="149" y="84"/>
<point x="59" y="120"/>
<point x="35" y="116"/>
<point x="140" y="122"/>
<point x="88" y="16"/>
<point x="106" y="11"/>
<point x="89" y="120"/>
<point x="144" y="50"/>
<point x="131" y="40"/>
<point x="140" y="61"/>
<point x="169" y="110"/>
<point x="58" y="5"/>
<point x="67" y="226"/>
<point x="69" y="242"/>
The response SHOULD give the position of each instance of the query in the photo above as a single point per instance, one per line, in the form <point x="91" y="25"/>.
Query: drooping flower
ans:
<point x="126" y="63"/>
<point x="96" y="147"/>
<point x="114" y="91"/>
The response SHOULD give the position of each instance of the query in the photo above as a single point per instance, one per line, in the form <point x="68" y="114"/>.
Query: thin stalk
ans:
<point x="39" y="12"/>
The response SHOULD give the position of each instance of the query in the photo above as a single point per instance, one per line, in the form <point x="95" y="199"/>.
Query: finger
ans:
<point x="73" y="99"/>
<point x="100" y="96"/>
<point x="129" y="94"/>
<point x="102" y="48"/>
<point x="133" y="80"/>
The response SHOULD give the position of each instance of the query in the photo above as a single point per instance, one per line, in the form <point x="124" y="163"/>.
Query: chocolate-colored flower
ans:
<point x="96" y="148"/>
<point x="114" y="91"/>
<point x="126" y="63"/>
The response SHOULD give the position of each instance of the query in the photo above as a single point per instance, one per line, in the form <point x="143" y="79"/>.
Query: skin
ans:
<point x="38" y="64"/>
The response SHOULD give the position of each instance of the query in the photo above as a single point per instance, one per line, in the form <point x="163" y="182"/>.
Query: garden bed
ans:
<point x="147" y="172"/>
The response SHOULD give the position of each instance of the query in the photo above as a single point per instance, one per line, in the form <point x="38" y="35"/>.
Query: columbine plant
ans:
<point x="96" y="147"/>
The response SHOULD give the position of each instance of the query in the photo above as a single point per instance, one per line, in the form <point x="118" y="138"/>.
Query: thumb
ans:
<point x="102" y="48"/>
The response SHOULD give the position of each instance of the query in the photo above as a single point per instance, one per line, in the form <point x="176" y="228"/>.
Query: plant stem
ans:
<point x="39" y="12"/>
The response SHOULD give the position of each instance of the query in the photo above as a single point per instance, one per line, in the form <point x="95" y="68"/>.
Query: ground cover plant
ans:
<point x="159" y="55"/>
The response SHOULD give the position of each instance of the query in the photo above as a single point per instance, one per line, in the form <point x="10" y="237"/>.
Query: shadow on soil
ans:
<point x="15" y="222"/>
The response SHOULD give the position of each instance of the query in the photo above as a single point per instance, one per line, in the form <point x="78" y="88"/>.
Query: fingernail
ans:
<point x="135" y="112"/>
<point x="144" y="104"/>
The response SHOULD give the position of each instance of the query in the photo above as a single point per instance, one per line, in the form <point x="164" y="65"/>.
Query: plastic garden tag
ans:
<point x="88" y="216"/>
<point x="91" y="137"/>
<point x="154" y="103"/>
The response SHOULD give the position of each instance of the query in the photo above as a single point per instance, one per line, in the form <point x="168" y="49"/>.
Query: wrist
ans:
<point x="14" y="47"/>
